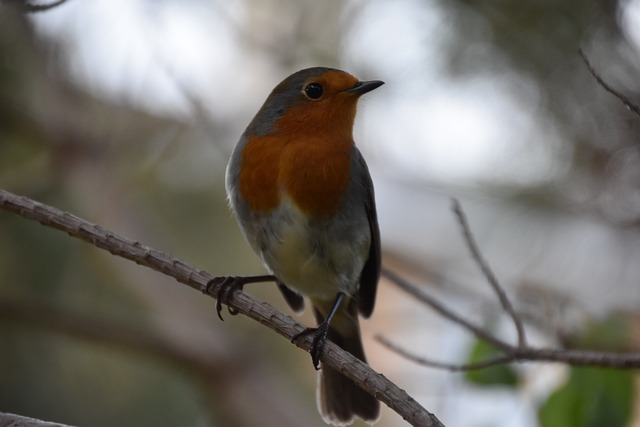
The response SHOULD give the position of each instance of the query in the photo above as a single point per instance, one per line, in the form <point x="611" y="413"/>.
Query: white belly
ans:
<point x="317" y="259"/>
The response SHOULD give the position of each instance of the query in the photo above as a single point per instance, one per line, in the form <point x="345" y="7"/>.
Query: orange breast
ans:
<point x="315" y="174"/>
<point x="258" y="179"/>
<point x="306" y="158"/>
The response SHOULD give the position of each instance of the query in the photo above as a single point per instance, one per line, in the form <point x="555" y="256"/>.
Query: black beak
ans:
<point x="361" y="88"/>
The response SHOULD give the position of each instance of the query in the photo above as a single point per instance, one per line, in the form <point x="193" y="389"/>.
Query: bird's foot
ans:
<point x="227" y="285"/>
<point x="319" y="339"/>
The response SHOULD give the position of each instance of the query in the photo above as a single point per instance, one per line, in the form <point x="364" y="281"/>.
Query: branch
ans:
<point x="12" y="420"/>
<point x="442" y="365"/>
<point x="598" y="359"/>
<point x="116" y="334"/>
<point x="333" y="356"/>
<point x="486" y="270"/>
<point x="444" y="311"/>
<point x="625" y="99"/>
<point x="227" y="380"/>
<point x="520" y="353"/>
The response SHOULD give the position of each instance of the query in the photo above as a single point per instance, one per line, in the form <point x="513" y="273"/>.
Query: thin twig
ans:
<point x="513" y="353"/>
<point x="332" y="355"/>
<point x="499" y="360"/>
<point x="488" y="273"/>
<point x="625" y="99"/>
<point x="444" y="311"/>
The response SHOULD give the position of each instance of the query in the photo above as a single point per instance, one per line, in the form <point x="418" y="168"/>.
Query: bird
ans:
<point x="303" y="197"/>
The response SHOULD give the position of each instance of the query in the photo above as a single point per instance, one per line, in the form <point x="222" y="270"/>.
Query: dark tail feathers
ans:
<point x="339" y="398"/>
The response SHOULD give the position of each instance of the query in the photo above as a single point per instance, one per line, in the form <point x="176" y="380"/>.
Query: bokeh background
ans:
<point x="124" y="112"/>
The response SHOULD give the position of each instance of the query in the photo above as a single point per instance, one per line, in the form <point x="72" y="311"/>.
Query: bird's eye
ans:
<point x="313" y="91"/>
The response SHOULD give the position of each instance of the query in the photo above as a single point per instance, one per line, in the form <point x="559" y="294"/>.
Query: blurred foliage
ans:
<point x="84" y="383"/>
<point x="590" y="398"/>
<point x="540" y="40"/>
<point x="615" y="332"/>
<point x="596" y="397"/>
<point x="497" y="375"/>
<point x="48" y="132"/>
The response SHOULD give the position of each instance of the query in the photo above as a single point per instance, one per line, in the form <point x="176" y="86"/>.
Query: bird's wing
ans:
<point x="366" y="296"/>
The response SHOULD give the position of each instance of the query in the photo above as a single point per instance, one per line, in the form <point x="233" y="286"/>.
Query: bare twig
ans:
<point x="520" y="353"/>
<point x="488" y="273"/>
<point x="625" y="99"/>
<point x="333" y="356"/>
<point x="444" y="311"/>
<point x="511" y="353"/>
<point x="442" y="365"/>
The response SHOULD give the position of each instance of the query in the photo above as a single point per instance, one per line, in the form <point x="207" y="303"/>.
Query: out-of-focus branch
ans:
<point x="442" y="365"/>
<point x="599" y="359"/>
<point x="442" y="309"/>
<point x="488" y="273"/>
<point x="511" y="353"/>
<point x="333" y="356"/>
<point x="130" y="337"/>
<point x="625" y="99"/>
<point x="226" y="379"/>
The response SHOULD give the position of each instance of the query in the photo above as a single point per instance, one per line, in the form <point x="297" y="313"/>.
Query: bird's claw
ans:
<point x="226" y="287"/>
<point x="317" y="344"/>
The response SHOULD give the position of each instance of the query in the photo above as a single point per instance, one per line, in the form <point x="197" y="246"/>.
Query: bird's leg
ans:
<point x="320" y="333"/>
<point x="227" y="285"/>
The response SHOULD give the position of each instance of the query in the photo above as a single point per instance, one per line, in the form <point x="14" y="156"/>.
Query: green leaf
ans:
<point x="592" y="397"/>
<point x="498" y="375"/>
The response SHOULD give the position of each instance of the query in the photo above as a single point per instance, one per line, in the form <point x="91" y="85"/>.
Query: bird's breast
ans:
<point x="315" y="175"/>
<point x="312" y="172"/>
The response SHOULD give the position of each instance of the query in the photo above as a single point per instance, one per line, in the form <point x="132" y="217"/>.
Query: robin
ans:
<point x="303" y="197"/>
